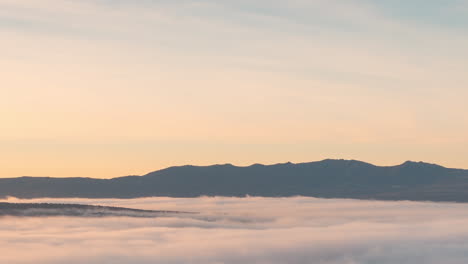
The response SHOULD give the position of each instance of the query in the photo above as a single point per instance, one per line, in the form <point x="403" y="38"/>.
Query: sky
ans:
<point x="244" y="230"/>
<point x="106" y="88"/>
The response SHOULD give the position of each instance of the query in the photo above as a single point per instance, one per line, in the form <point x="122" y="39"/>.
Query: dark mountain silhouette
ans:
<point x="80" y="210"/>
<point x="327" y="178"/>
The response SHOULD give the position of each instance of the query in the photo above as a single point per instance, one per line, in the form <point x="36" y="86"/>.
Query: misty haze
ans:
<point x="244" y="230"/>
<point x="233" y="132"/>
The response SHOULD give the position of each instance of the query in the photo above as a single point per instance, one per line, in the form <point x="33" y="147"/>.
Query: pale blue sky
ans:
<point x="108" y="88"/>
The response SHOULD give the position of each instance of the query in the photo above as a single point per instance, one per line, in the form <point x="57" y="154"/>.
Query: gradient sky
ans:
<point x="104" y="88"/>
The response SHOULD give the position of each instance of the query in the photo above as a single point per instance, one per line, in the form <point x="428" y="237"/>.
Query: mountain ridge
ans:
<point x="329" y="178"/>
<point x="406" y="163"/>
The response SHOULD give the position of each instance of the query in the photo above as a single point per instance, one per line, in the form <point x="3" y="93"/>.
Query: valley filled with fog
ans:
<point x="242" y="230"/>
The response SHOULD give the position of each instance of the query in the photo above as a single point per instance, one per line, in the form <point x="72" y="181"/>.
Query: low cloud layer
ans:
<point x="244" y="230"/>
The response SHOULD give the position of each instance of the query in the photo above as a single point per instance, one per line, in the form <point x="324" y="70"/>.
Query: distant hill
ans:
<point x="327" y="178"/>
<point x="79" y="210"/>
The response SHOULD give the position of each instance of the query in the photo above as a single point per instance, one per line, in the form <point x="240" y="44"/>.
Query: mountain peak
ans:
<point x="347" y="162"/>
<point x="419" y="164"/>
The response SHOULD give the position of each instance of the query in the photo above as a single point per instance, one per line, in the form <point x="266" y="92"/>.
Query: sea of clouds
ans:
<point x="243" y="230"/>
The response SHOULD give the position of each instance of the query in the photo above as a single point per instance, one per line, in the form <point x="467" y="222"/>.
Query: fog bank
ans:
<point x="244" y="230"/>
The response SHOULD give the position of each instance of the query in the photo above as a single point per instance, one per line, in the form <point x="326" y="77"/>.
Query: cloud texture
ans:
<point x="245" y="230"/>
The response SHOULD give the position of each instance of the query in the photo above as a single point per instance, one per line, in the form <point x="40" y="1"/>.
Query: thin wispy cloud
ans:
<point x="315" y="79"/>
